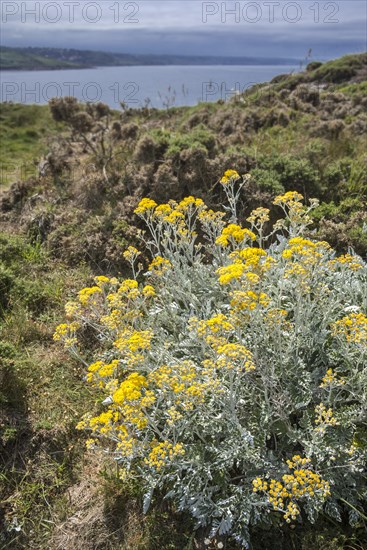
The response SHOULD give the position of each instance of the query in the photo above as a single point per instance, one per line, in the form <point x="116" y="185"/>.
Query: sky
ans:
<point x="266" y="28"/>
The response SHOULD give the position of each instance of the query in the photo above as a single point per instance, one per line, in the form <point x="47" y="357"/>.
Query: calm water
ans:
<point x="161" y="86"/>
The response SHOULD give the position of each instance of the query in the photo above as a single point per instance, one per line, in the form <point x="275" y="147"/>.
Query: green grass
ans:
<point x="13" y="59"/>
<point x="42" y="392"/>
<point x="25" y="131"/>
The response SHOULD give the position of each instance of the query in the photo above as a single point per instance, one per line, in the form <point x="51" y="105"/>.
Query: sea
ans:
<point x="135" y="87"/>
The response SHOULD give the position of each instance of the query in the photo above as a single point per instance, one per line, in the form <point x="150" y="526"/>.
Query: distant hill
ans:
<point x="59" y="58"/>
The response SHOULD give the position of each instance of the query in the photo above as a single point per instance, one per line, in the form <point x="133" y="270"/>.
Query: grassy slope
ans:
<point x="14" y="59"/>
<point x="62" y="58"/>
<point x="44" y="469"/>
<point x="24" y="132"/>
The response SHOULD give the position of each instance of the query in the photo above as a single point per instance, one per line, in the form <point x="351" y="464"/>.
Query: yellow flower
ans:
<point x="131" y="254"/>
<point x="159" y="265"/>
<point x="86" y="293"/>
<point x="330" y="378"/>
<point x="101" y="280"/>
<point x="352" y="327"/>
<point x="288" y="198"/>
<point x="347" y="260"/>
<point x="163" y="453"/>
<point x="234" y="232"/>
<point x="162" y="210"/>
<point x="229" y="175"/>
<point x="145" y="205"/>
<point x="130" y="389"/>
<point x="301" y="483"/>
<point x="134" y="340"/>
<point x="259" y="215"/>
<point x="230" y="272"/>
<point x="61" y="330"/>
<point x="325" y="417"/>
<point x="189" y="202"/>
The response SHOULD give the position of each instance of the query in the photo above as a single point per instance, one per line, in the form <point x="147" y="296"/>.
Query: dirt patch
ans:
<point x="84" y="526"/>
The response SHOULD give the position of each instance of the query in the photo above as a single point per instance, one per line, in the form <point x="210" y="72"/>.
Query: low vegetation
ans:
<point x="72" y="220"/>
<point x="26" y="131"/>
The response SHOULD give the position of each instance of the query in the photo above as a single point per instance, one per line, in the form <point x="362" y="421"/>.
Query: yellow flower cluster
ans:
<point x="163" y="210"/>
<point x="126" y="304"/>
<point x="234" y="233"/>
<point x="175" y="218"/>
<point x="66" y="333"/>
<point x="235" y="356"/>
<point x="72" y="309"/>
<point x="148" y="291"/>
<point x="131" y="254"/>
<point x="229" y="355"/>
<point x="302" y="483"/>
<point x="133" y="340"/>
<point x="162" y="453"/>
<point x="86" y="293"/>
<point x="61" y="331"/>
<point x="102" y="280"/>
<point x="211" y="217"/>
<point x="128" y="289"/>
<point x="353" y="328"/>
<point x="288" y="198"/>
<point x="144" y="206"/>
<point x="191" y="202"/>
<point x="259" y="216"/>
<point x="217" y="323"/>
<point x="330" y="379"/>
<point x="246" y="262"/>
<point x="248" y="300"/>
<point x="159" y="266"/>
<point x="131" y="401"/>
<point x="100" y="370"/>
<point x="174" y="214"/>
<point x="277" y="318"/>
<point x="130" y="388"/>
<point x="296" y="211"/>
<point x="298" y="246"/>
<point x="250" y="256"/>
<point x="347" y="260"/>
<point x="189" y="384"/>
<point x="303" y="256"/>
<point x="229" y="175"/>
<point x="126" y="444"/>
<point x="230" y="272"/>
<point x="324" y="418"/>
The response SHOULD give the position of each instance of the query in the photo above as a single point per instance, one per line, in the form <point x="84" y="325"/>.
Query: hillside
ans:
<point x="73" y="219"/>
<point x="33" y="59"/>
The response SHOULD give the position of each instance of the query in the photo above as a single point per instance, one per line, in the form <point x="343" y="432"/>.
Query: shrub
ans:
<point x="6" y="284"/>
<point x="292" y="173"/>
<point x="233" y="377"/>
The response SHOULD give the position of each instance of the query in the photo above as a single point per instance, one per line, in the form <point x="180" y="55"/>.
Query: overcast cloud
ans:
<point x="260" y="28"/>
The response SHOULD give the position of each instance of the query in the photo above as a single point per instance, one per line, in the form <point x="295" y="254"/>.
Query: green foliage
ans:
<point x="24" y="132"/>
<point x="234" y="381"/>
<point x="199" y="138"/>
<point x="276" y="132"/>
<point x="38" y="447"/>
<point x="290" y="172"/>
<point x="6" y="283"/>
<point x="268" y="179"/>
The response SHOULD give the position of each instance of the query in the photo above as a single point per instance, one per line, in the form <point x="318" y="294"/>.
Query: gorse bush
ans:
<point x="234" y="377"/>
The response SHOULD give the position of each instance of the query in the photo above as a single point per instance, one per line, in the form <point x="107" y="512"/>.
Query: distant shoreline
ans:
<point x="43" y="69"/>
<point x="53" y="59"/>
